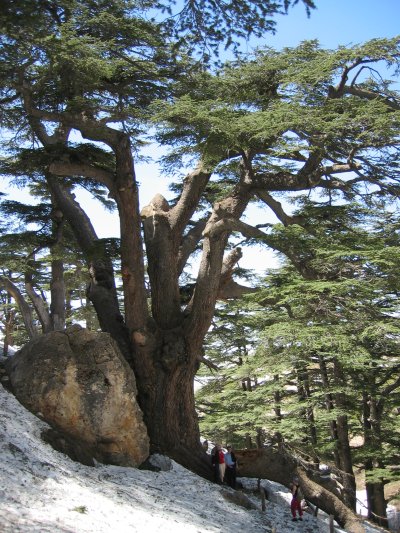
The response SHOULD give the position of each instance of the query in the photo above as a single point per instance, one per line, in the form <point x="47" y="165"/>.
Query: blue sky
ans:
<point x="338" y="22"/>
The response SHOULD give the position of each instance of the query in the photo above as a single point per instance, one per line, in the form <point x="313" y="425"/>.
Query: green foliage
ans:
<point x="80" y="509"/>
<point x="345" y="316"/>
<point x="276" y="108"/>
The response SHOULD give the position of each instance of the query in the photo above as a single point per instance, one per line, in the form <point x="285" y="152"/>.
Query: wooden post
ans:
<point x="331" y="526"/>
<point x="262" y="493"/>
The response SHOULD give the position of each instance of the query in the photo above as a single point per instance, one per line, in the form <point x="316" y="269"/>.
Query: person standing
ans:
<point x="230" y="464"/>
<point x="218" y="463"/>
<point x="295" y="504"/>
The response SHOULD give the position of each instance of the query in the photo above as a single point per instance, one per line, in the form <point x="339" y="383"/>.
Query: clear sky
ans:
<point x="338" y="22"/>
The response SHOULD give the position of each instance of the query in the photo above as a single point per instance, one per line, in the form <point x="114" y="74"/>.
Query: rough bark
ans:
<point x="8" y="326"/>
<point x="376" y="502"/>
<point x="39" y="304"/>
<point x="101" y="287"/>
<point x="57" y="284"/>
<point x="304" y="394"/>
<point x="343" y="443"/>
<point x="329" y="405"/>
<point x="57" y="291"/>
<point x="376" y="499"/>
<point x="167" y="356"/>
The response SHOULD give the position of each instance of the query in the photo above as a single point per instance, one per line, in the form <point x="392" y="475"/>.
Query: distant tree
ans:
<point x="41" y="268"/>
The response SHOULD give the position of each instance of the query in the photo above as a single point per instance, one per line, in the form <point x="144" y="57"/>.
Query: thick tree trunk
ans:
<point x="57" y="284"/>
<point x="57" y="290"/>
<point x="346" y="462"/>
<point x="329" y="405"/>
<point x="376" y="502"/>
<point x="304" y="394"/>
<point x="8" y="329"/>
<point x="343" y="445"/>
<point x="166" y="397"/>
<point x="102" y="296"/>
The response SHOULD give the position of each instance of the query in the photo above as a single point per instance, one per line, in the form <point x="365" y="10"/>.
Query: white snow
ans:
<point x="43" y="491"/>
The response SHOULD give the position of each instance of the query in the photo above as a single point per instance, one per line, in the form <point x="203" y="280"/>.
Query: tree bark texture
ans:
<point x="343" y="443"/>
<point x="23" y="306"/>
<point x="57" y="291"/>
<point x="377" y="504"/>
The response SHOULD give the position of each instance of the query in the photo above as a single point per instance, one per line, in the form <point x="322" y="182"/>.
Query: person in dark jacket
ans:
<point x="230" y="464"/>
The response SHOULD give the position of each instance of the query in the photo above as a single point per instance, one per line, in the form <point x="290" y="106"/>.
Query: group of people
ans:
<point x="224" y="465"/>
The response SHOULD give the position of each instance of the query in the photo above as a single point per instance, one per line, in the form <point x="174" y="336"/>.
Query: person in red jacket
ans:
<point x="295" y="504"/>
<point x="218" y="463"/>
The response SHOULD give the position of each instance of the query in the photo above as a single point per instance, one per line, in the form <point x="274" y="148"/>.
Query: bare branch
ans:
<point x="208" y="363"/>
<point x="190" y="242"/>
<point x="277" y="208"/>
<point x="63" y="168"/>
<point x="371" y="95"/>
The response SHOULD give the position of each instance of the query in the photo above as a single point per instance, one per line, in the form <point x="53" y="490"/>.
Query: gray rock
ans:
<point x="161" y="462"/>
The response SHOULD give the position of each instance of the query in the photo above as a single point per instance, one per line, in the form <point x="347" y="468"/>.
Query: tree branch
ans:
<point x="370" y="95"/>
<point x="63" y="168"/>
<point x="190" y="242"/>
<point x="277" y="208"/>
<point x="228" y="288"/>
<point x="193" y="187"/>
<point x="38" y="304"/>
<point x="208" y="363"/>
<point x="23" y="306"/>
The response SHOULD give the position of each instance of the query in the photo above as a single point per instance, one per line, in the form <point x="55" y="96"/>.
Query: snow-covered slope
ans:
<point x="42" y="490"/>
